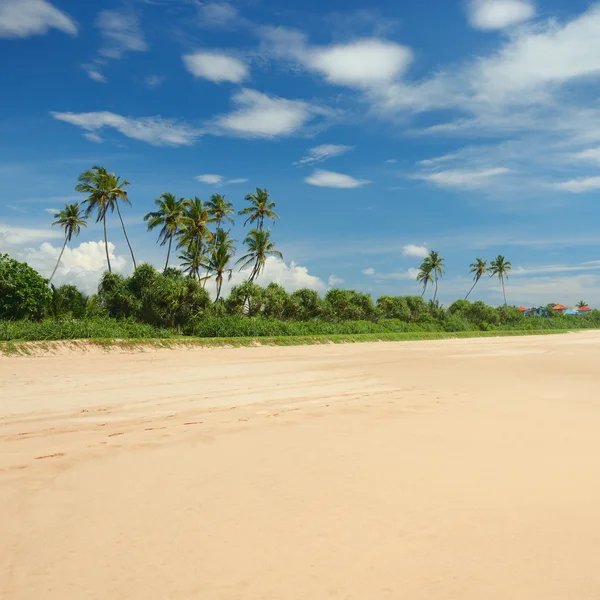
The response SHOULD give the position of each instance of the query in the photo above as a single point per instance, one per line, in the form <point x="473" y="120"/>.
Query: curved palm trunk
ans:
<point x="503" y="290"/>
<point x="126" y="238"/>
<point x="58" y="262"/>
<point x="169" y="252"/>
<point x="219" y="285"/>
<point x="472" y="288"/>
<point x="436" y="289"/>
<point x="106" y="243"/>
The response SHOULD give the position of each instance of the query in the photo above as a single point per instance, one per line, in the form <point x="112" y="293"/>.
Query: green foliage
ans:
<point x="348" y="305"/>
<point x="277" y="302"/>
<point x="67" y="300"/>
<point x="394" y="307"/>
<point x="24" y="293"/>
<point x="246" y="299"/>
<point x="305" y="304"/>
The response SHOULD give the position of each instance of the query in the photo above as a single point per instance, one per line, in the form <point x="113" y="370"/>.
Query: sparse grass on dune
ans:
<point x="24" y="348"/>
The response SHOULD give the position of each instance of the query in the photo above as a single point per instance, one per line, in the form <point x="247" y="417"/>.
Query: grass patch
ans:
<point x="25" y="348"/>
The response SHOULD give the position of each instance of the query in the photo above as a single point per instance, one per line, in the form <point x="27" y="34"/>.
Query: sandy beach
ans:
<point x="458" y="469"/>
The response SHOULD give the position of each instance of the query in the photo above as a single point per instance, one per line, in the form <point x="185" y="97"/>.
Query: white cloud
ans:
<point x="330" y="179"/>
<point x="409" y="274"/>
<point x="121" y="32"/>
<point x="591" y="154"/>
<point x="154" y="81"/>
<point x="24" y="18"/>
<point x="590" y="265"/>
<point x="262" y="116"/>
<point x="218" y="180"/>
<point x="153" y="130"/>
<point x="292" y="277"/>
<point x="416" y="251"/>
<point x="217" y="14"/>
<point x="52" y="211"/>
<point x="81" y="265"/>
<point x="462" y="178"/>
<point x="334" y="281"/>
<point x="94" y="74"/>
<point x="93" y="137"/>
<point x="391" y="161"/>
<point x="11" y="235"/>
<point x="210" y="179"/>
<point x="430" y="162"/>
<point x="360" y="63"/>
<point x="322" y="153"/>
<point x="579" y="185"/>
<point x="216" y="67"/>
<point x="498" y="14"/>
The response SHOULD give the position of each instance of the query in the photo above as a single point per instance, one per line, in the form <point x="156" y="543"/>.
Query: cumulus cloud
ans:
<point x="260" y="116"/>
<point x="24" y="18"/>
<point x="323" y="152"/>
<point x="499" y="14"/>
<point x="579" y="185"/>
<point x="216" y="67"/>
<point x="416" y="251"/>
<point x="152" y="130"/>
<point x="359" y="63"/>
<point x="322" y="178"/>
<point x="81" y="265"/>
<point x="290" y="276"/>
<point x="590" y="154"/>
<point x="218" y="180"/>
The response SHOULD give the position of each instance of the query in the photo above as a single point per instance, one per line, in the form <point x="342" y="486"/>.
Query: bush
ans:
<point x="24" y="293"/>
<point x="67" y="300"/>
<point x="305" y="304"/>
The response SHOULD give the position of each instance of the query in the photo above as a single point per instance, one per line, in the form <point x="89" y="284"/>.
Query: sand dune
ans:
<point x="460" y="469"/>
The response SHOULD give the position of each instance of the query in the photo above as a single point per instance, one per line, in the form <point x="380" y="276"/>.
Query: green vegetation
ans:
<point x="173" y="304"/>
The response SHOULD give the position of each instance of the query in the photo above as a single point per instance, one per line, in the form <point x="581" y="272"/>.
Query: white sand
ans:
<point x="464" y="469"/>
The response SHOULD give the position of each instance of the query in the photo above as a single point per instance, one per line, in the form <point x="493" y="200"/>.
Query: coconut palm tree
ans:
<point x="217" y="265"/>
<point x="260" y="247"/>
<point x="424" y="276"/>
<point x="71" y="220"/>
<point x="221" y="238"/>
<point x="194" y="223"/>
<point x="171" y="216"/>
<point x="431" y="269"/>
<point x="192" y="260"/>
<point x="105" y="192"/>
<point x="478" y="269"/>
<point x="501" y="268"/>
<point x="220" y="209"/>
<point x="582" y="304"/>
<point x="260" y="208"/>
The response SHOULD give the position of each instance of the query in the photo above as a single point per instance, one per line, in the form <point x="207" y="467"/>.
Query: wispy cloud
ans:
<point x="499" y="14"/>
<point x="25" y="18"/>
<point x="152" y="130"/>
<point x="218" y="180"/>
<point x="154" y="81"/>
<point x="462" y="179"/>
<point x="322" y="153"/>
<point x="121" y="33"/>
<point x="409" y="274"/>
<point x="330" y="179"/>
<point x="579" y="185"/>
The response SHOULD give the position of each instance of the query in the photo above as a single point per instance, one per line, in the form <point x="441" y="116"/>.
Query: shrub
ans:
<point x="305" y="304"/>
<point x="24" y="293"/>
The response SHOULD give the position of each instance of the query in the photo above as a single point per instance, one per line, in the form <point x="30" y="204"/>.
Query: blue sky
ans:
<point x="381" y="131"/>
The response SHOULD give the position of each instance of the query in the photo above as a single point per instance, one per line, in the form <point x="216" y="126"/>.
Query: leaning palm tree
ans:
<point x="170" y="215"/>
<point x="501" y="268"/>
<point x="217" y="265"/>
<point x="582" y="304"/>
<point x="105" y="192"/>
<point x="71" y="220"/>
<point x="478" y="269"/>
<point x="220" y="209"/>
<point x="260" y="247"/>
<point x="260" y="208"/>
<point x="424" y="276"/>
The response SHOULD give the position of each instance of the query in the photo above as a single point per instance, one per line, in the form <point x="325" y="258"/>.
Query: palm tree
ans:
<point x="220" y="209"/>
<point x="221" y="238"/>
<point x="171" y="215"/>
<point x="500" y="267"/>
<point x="105" y="192"/>
<point x="192" y="260"/>
<point x="582" y="304"/>
<point x="194" y="224"/>
<point x="218" y="265"/>
<point x="424" y="276"/>
<point x="436" y="263"/>
<point x="71" y="220"/>
<point x="260" y="247"/>
<point x="478" y="269"/>
<point x="260" y="208"/>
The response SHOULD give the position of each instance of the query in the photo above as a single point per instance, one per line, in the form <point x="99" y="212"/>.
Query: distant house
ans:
<point x="584" y="310"/>
<point x="560" y="309"/>
<point x="523" y="310"/>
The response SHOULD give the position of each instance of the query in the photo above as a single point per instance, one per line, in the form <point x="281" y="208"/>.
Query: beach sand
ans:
<point x="458" y="469"/>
